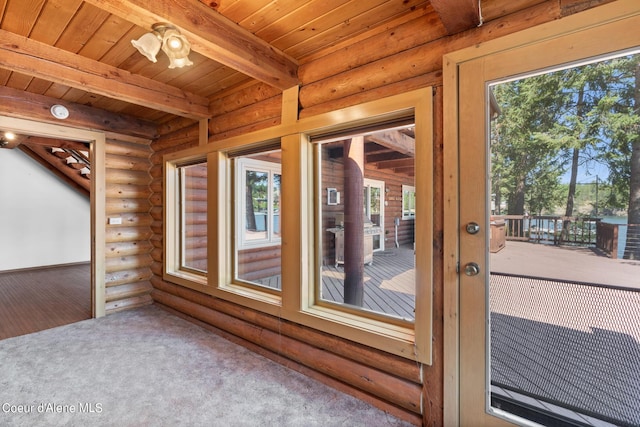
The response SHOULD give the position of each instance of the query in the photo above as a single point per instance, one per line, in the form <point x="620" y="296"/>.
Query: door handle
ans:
<point x="471" y="269"/>
<point x="472" y="228"/>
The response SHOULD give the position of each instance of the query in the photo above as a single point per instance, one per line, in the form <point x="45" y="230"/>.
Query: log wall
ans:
<point x="383" y="63"/>
<point x="128" y="245"/>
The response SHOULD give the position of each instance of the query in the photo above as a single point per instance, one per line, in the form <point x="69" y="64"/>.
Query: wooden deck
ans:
<point x="389" y="283"/>
<point x="565" y="332"/>
<point x="571" y="263"/>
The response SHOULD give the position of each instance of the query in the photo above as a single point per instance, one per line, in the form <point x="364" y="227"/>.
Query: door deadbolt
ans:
<point x="471" y="269"/>
<point x="473" y="228"/>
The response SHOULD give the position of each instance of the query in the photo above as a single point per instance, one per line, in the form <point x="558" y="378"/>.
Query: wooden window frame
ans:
<point x="412" y="189"/>
<point x="296" y="302"/>
<point x="173" y="270"/>
<point x="242" y="165"/>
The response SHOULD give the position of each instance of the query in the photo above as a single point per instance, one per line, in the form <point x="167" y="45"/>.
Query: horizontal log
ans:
<point x="128" y="290"/>
<point x="117" y="278"/>
<point x="421" y="30"/>
<point x="255" y="275"/>
<point x="269" y="108"/>
<point x="184" y="136"/>
<point x="157" y="242"/>
<point x="398" y="366"/>
<point x="127" y="234"/>
<point x="196" y="242"/>
<point x="124" y="263"/>
<point x="175" y="125"/>
<point x="157" y="268"/>
<point x="157" y="227"/>
<point x="128" y="149"/>
<point x="114" y="161"/>
<point x="31" y="106"/>
<point x="157" y="254"/>
<point x="422" y="59"/>
<point x="196" y="195"/>
<point x="127" y="191"/>
<point x="156" y="186"/>
<point x="119" y="206"/>
<point x="246" y="96"/>
<point x="156" y="199"/>
<point x="388" y="387"/>
<point x="128" y="248"/>
<point x="120" y="176"/>
<point x="127" y="304"/>
<point x="430" y="79"/>
<point x="157" y="169"/>
<point x="156" y="157"/>
<point x="157" y="213"/>
<point x="259" y="125"/>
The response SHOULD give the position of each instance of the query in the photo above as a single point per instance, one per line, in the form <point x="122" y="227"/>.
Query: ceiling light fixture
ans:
<point x="168" y="38"/>
<point x="6" y="138"/>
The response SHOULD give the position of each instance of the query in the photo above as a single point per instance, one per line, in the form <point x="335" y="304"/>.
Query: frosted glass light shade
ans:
<point x="148" y="45"/>
<point x="177" y="48"/>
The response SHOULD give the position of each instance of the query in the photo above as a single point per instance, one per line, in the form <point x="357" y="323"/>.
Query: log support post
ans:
<point x="354" y="221"/>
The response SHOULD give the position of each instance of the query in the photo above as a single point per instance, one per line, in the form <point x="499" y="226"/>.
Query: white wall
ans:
<point x="42" y="220"/>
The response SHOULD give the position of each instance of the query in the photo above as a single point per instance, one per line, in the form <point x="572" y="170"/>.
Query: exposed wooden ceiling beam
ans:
<point x="31" y="106"/>
<point x="457" y="15"/>
<point x="36" y="59"/>
<point x="394" y="140"/>
<point x="212" y="35"/>
<point x="399" y="163"/>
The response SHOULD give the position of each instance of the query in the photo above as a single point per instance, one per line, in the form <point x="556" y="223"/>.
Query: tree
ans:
<point x="622" y="127"/>
<point x="521" y="156"/>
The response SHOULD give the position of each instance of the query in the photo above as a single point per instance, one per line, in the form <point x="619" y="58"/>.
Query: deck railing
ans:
<point x="607" y="238"/>
<point x="551" y="229"/>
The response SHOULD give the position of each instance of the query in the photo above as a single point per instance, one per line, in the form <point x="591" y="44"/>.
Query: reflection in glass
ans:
<point x="257" y="205"/>
<point x="367" y="259"/>
<point x="193" y="241"/>
<point x="564" y="326"/>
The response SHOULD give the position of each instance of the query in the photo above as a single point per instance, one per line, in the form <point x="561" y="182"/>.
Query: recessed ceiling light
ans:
<point x="59" y="111"/>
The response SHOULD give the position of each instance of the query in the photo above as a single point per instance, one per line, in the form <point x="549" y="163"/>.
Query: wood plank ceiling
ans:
<point x="80" y="52"/>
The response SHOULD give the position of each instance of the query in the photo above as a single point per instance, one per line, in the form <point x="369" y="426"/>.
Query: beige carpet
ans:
<point x="147" y="367"/>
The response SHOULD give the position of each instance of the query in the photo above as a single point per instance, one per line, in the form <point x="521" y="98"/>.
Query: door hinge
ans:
<point x="458" y="267"/>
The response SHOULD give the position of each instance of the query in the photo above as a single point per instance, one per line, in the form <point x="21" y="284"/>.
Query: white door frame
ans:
<point x="466" y="73"/>
<point x="381" y="185"/>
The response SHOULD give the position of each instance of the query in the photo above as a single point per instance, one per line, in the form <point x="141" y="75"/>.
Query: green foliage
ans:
<point x="545" y="118"/>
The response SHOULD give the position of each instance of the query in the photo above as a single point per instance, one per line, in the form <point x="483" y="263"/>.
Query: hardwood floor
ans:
<point x="34" y="300"/>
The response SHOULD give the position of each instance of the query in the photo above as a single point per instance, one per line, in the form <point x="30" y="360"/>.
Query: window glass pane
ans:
<point x="367" y="261"/>
<point x="275" y="205"/>
<point x="257" y="206"/>
<point x="193" y="219"/>
<point x="256" y="199"/>
<point x="564" y="329"/>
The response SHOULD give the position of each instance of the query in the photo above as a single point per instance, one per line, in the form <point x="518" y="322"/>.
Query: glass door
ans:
<point x="549" y="326"/>
<point x="374" y="211"/>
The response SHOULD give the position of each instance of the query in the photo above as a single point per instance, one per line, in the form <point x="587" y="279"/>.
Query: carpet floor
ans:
<point x="148" y="367"/>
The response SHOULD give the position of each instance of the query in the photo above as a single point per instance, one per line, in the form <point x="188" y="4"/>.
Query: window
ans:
<point x="278" y="200"/>
<point x="257" y="226"/>
<point x="408" y="202"/>
<point x="193" y="217"/>
<point x="186" y="259"/>
<point x="356" y="272"/>
<point x="258" y="202"/>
